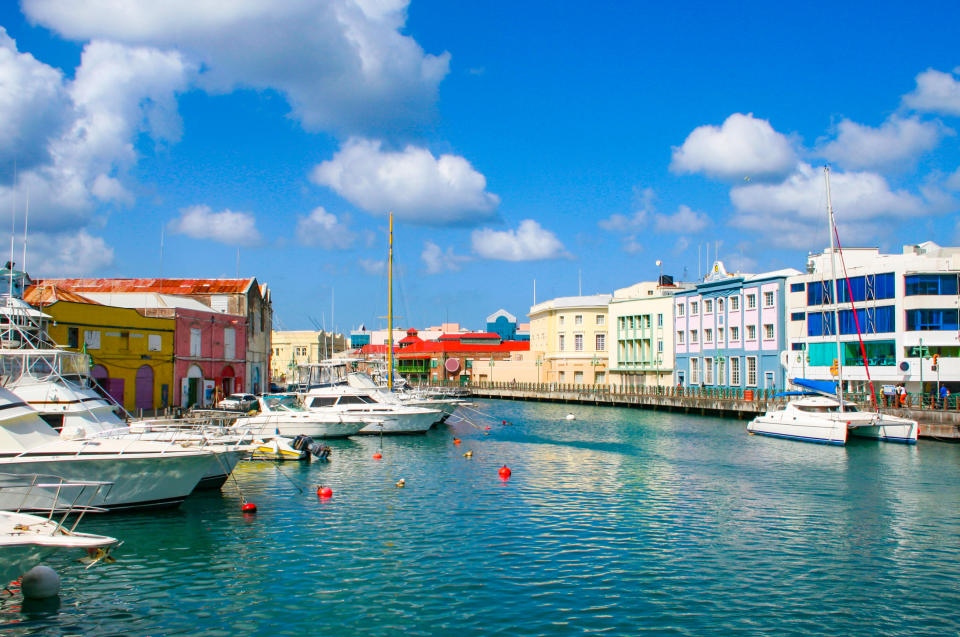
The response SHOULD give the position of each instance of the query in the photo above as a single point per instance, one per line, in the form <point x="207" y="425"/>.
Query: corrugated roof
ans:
<point x="151" y="300"/>
<point x="160" y="286"/>
<point x="40" y="295"/>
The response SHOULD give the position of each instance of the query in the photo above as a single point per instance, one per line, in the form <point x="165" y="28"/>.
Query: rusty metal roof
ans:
<point x="48" y="294"/>
<point x="160" y="286"/>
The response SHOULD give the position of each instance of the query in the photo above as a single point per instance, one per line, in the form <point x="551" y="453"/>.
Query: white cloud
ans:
<point x="936" y="92"/>
<point x="371" y="266"/>
<point x="631" y="245"/>
<point x="34" y="104"/>
<point x="65" y="254"/>
<point x="683" y="220"/>
<point x="743" y="146"/>
<point x="438" y="260"/>
<point x="953" y="181"/>
<point x="323" y="229"/>
<point x="644" y="198"/>
<point x="793" y="213"/>
<point x="897" y="140"/>
<point x="415" y="185"/>
<point x="226" y="226"/>
<point x="343" y="65"/>
<point x="529" y="242"/>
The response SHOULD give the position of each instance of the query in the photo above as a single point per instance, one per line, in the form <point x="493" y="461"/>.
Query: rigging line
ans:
<point x="856" y="320"/>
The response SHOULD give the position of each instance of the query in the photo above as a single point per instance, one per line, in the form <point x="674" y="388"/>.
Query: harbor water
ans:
<point x="618" y="522"/>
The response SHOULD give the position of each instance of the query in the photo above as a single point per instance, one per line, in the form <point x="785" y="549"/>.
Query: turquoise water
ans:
<point x="621" y="522"/>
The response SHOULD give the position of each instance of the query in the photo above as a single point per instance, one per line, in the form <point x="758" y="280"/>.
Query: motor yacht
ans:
<point x="284" y="415"/>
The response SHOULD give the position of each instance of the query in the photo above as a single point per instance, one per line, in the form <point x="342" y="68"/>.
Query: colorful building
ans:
<point x="907" y="313"/>
<point x="293" y="347"/>
<point x="730" y="332"/>
<point x="132" y="355"/>
<point x="571" y="335"/>
<point x="504" y="324"/>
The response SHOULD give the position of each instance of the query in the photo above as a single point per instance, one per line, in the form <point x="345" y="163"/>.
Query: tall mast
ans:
<point x="833" y="287"/>
<point x="390" y="307"/>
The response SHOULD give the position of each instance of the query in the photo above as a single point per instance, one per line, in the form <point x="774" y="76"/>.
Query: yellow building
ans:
<point x="293" y="347"/>
<point x="131" y="354"/>
<point x="570" y="335"/>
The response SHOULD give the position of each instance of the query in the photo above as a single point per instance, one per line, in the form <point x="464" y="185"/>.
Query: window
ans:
<point x="601" y="342"/>
<point x="719" y="336"/>
<point x="751" y="301"/>
<point x="734" y="303"/>
<point x="153" y="342"/>
<point x="820" y="324"/>
<point x="707" y="336"/>
<point x="229" y="343"/>
<point x="751" y="332"/>
<point x="719" y="306"/>
<point x="768" y="331"/>
<point x="73" y="337"/>
<point x="708" y="306"/>
<point x="928" y="320"/>
<point x="695" y="371"/>
<point x="195" y="341"/>
<point x="91" y="339"/>
<point x="599" y="378"/>
<point x="708" y="371"/>
<point x="561" y="319"/>
<point x="768" y="299"/>
<point x="694" y="307"/>
<point x="578" y="342"/>
<point x="797" y="287"/>
<point x="798" y="316"/>
<point x="929" y="284"/>
<point x="797" y="347"/>
<point x="680" y="307"/>
<point x="562" y="339"/>
<point x="578" y="378"/>
<point x="561" y="376"/>
<point x="659" y="320"/>
<point x="872" y="320"/>
<point x="734" y="334"/>
<point x="660" y="347"/>
<point x="578" y="319"/>
<point x="820" y="293"/>
<point x="735" y="371"/>
<point x="694" y="337"/>
<point x="751" y="371"/>
<point x="680" y="338"/>
<point x="601" y="319"/>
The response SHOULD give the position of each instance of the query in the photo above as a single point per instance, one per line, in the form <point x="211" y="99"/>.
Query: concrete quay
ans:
<point x="936" y="424"/>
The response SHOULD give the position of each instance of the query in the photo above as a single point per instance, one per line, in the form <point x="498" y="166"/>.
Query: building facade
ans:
<point x="641" y="334"/>
<point x="729" y="330"/>
<point x="906" y="308"/>
<point x="570" y="333"/>
<point x="293" y="347"/>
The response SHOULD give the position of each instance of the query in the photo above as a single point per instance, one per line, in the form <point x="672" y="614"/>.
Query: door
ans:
<point x="114" y="387"/>
<point x="144" y="387"/>
<point x="769" y="381"/>
<point x="193" y="391"/>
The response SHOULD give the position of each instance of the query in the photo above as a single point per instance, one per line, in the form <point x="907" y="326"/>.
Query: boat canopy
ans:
<point x="823" y="387"/>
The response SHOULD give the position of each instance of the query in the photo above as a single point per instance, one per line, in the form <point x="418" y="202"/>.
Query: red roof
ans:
<point x="47" y="294"/>
<point x="424" y="349"/>
<point x="159" y="286"/>
<point x="470" y="335"/>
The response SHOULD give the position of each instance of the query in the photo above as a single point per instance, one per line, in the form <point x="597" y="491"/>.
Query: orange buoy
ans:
<point x="249" y="507"/>
<point x="456" y="441"/>
<point x="324" y="492"/>
<point x="377" y="456"/>
<point x="504" y="472"/>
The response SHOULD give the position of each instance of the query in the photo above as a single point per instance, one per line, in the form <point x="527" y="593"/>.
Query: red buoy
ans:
<point x="249" y="507"/>
<point x="487" y="427"/>
<point x="504" y="422"/>
<point x="377" y="456"/>
<point x="504" y="472"/>
<point x="456" y="441"/>
<point x="324" y="492"/>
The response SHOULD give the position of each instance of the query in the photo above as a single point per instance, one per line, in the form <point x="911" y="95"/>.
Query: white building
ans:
<point x="907" y="308"/>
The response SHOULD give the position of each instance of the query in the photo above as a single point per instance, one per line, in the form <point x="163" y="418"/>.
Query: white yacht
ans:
<point x="144" y="474"/>
<point x="819" y="418"/>
<point x="26" y="540"/>
<point x="284" y="415"/>
<point x="410" y="397"/>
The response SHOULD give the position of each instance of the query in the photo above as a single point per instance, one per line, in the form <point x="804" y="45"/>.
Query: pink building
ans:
<point x="209" y="356"/>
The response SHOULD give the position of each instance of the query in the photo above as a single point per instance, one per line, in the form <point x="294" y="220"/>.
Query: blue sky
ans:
<point x="558" y="142"/>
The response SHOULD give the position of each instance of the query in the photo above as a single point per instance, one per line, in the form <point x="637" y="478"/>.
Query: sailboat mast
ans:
<point x="833" y="287"/>
<point x="390" y="307"/>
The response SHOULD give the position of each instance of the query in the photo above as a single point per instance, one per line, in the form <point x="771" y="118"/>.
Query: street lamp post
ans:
<point x="659" y="362"/>
<point x="538" y="363"/>
<point x="491" y="368"/>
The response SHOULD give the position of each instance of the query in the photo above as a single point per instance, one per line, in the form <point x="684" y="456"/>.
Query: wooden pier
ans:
<point x="935" y="423"/>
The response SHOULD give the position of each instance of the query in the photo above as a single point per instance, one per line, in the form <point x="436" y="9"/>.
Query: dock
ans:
<point x="936" y="422"/>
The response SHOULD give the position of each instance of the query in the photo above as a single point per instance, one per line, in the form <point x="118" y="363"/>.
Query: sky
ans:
<point x="527" y="150"/>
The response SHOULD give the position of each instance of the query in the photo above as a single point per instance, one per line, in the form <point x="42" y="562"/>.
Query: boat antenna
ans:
<point x="26" y="220"/>
<point x="13" y="223"/>
<point x="390" y="308"/>
<point x="833" y="287"/>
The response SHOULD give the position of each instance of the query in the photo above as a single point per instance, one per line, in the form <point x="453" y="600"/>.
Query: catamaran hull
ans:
<point x="819" y="431"/>
<point x="905" y="432"/>
<point x="140" y="481"/>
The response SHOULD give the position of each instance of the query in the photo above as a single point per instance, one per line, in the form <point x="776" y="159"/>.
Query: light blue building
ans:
<point x="730" y="330"/>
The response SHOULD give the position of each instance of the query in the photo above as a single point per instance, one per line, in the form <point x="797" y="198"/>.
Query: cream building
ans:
<point x="292" y="347"/>
<point x="570" y="334"/>
<point x="640" y="335"/>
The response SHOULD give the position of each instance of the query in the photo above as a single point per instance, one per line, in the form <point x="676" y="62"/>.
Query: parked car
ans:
<point x="238" y="402"/>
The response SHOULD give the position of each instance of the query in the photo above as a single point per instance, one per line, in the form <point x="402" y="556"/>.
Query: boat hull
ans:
<point x="782" y="425"/>
<point x="316" y="428"/>
<point x="400" y="423"/>
<point x="887" y="430"/>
